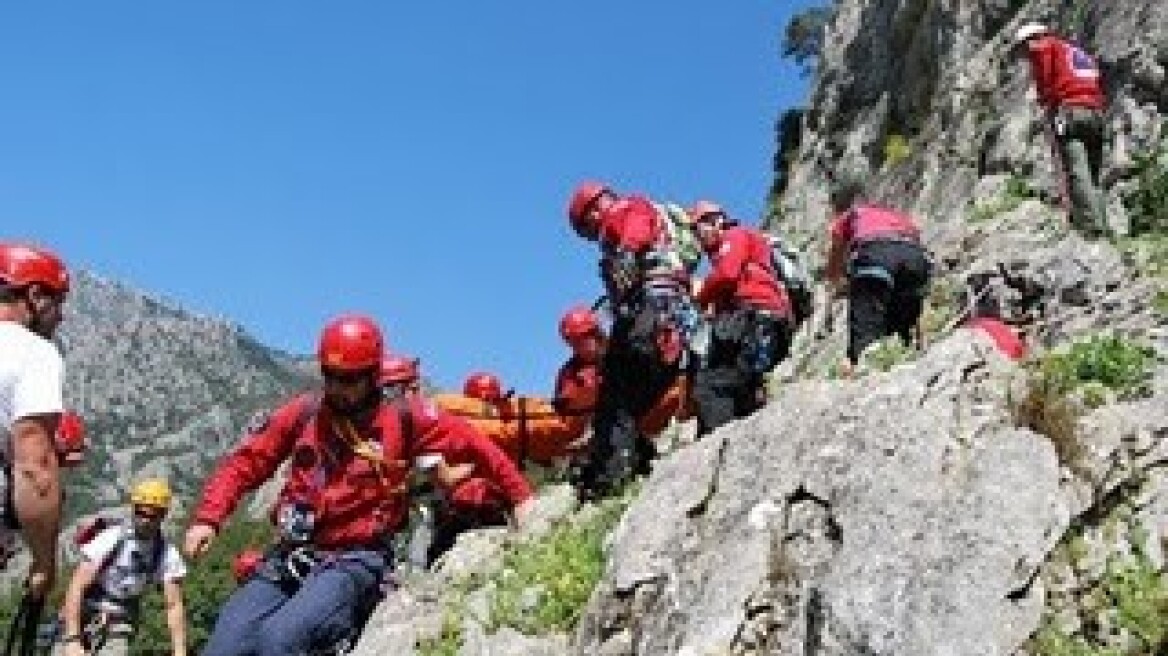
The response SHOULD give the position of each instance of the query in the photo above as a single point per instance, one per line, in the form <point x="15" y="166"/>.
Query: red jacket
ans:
<point x="1007" y="341"/>
<point x="742" y="274"/>
<point x="357" y="500"/>
<point x="869" y="222"/>
<point x="578" y="387"/>
<point x="1064" y="74"/>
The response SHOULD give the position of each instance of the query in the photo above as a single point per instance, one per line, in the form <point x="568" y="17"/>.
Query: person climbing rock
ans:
<point x="877" y="253"/>
<point x="1070" y="91"/>
<point x="983" y="314"/>
<point x="101" y="609"/>
<point x="34" y="283"/>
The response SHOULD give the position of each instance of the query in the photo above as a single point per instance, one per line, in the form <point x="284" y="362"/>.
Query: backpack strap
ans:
<point x="109" y="558"/>
<point x="157" y="551"/>
<point x="405" y="419"/>
<point x="524" y="433"/>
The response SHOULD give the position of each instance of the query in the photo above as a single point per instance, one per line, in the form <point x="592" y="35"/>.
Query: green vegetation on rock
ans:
<point x="1087" y="374"/>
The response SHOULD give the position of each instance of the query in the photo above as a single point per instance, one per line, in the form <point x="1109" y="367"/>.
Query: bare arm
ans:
<point x="36" y="491"/>
<point x="176" y="618"/>
<point x="82" y="578"/>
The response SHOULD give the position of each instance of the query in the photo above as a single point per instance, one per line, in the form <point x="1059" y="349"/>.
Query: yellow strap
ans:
<point x="363" y="449"/>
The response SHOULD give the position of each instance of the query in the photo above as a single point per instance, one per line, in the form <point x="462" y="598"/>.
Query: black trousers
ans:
<point x="886" y="291"/>
<point x="633" y="376"/>
<point x="745" y="344"/>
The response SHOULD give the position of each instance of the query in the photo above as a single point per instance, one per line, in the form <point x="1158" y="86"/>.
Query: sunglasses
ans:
<point x="346" y="378"/>
<point x="149" y="513"/>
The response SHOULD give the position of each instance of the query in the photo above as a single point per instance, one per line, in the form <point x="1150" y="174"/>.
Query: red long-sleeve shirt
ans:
<point x="741" y="274"/>
<point x="357" y="500"/>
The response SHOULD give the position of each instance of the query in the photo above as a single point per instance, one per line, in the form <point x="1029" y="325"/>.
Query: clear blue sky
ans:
<point x="279" y="162"/>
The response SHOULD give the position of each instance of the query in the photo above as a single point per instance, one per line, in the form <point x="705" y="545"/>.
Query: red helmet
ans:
<point x="245" y="564"/>
<point x="398" y="369"/>
<point x="22" y="265"/>
<point x="704" y="208"/>
<point x="579" y="321"/>
<point x="70" y="439"/>
<point x="483" y="386"/>
<point x="70" y="433"/>
<point x="351" y="342"/>
<point x="584" y="196"/>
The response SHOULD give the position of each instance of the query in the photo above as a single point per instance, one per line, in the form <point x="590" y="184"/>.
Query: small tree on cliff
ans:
<point x="803" y="37"/>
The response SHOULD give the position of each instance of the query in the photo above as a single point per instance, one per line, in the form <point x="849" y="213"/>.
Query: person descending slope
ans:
<point x="654" y="320"/>
<point x="1070" y="91"/>
<point x="344" y="497"/>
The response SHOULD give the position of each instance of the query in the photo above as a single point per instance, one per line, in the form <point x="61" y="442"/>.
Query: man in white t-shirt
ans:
<point x="118" y="564"/>
<point x="33" y="286"/>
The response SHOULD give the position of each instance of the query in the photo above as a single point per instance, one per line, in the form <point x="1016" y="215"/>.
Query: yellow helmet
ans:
<point x="151" y="492"/>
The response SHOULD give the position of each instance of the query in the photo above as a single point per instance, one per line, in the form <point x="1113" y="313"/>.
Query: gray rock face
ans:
<point x="899" y="516"/>
<point x="940" y="77"/>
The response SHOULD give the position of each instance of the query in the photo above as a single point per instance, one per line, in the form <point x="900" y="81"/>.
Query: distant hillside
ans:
<point x="162" y="390"/>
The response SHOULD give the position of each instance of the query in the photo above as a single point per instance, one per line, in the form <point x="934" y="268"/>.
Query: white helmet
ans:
<point x="1029" y="30"/>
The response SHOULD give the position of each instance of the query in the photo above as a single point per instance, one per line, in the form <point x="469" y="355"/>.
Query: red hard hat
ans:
<point x="398" y="369"/>
<point x="584" y="196"/>
<point x="22" y="265"/>
<point x="705" y="208"/>
<point x="578" y="322"/>
<point x="483" y="386"/>
<point x="351" y="343"/>
<point x="70" y="433"/>
<point x="245" y="564"/>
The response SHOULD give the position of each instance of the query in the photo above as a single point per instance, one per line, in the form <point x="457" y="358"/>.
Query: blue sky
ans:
<point x="279" y="162"/>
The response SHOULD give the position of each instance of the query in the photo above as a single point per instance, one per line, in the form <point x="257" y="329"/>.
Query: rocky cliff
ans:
<point x="943" y="502"/>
